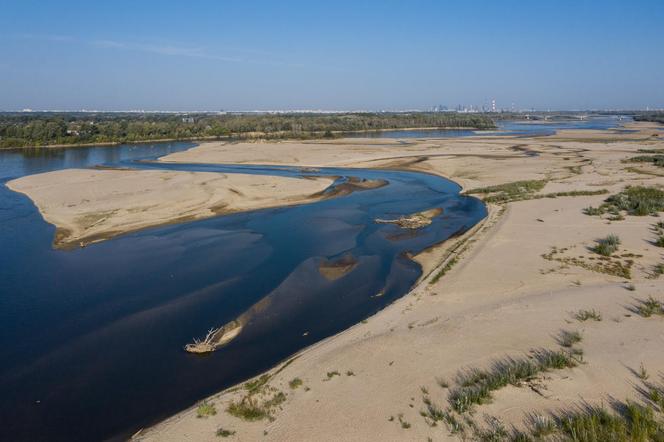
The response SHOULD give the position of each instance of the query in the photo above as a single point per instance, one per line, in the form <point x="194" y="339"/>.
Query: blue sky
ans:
<point x="241" y="55"/>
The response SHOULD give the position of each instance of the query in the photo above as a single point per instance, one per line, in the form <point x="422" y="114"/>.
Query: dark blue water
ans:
<point x="91" y="339"/>
<point x="504" y="127"/>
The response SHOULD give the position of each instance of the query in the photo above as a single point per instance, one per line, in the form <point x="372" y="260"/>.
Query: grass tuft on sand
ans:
<point x="607" y="246"/>
<point x="205" y="409"/>
<point x="476" y="385"/>
<point x="585" y="315"/>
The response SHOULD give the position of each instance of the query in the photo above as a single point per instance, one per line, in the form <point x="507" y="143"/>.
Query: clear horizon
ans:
<point x="163" y="56"/>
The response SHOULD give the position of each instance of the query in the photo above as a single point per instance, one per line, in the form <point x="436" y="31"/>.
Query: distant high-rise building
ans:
<point x="493" y="105"/>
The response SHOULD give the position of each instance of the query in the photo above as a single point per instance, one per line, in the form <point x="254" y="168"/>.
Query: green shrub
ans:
<point x="607" y="246"/>
<point x="247" y="409"/>
<point x="295" y="383"/>
<point x="205" y="409"/>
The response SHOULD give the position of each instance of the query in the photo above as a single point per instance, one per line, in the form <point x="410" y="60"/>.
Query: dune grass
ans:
<point x="205" y="409"/>
<point x="649" y="307"/>
<point x="637" y="423"/>
<point x="568" y="338"/>
<point x="247" y="409"/>
<point x="607" y="246"/>
<point x="657" y="270"/>
<point x="585" y="315"/>
<point x="476" y="385"/>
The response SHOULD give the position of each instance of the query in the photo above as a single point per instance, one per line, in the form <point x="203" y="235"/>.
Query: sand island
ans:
<point x="88" y="205"/>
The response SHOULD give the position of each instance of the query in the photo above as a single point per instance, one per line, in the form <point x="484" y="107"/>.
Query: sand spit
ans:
<point x="333" y="270"/>
<point x="218" y="337"/>
<point x="493" y="293"/>
<point x="414" y="220"/>
<point x="90" y="205"/>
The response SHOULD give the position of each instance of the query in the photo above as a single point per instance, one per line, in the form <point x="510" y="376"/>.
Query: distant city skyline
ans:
<point x="342" y="56"/>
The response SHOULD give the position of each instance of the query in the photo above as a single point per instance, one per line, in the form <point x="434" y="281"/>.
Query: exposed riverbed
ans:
<point x="92" y="338"/>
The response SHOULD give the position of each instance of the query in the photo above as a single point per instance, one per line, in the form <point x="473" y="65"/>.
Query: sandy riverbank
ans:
<point x="88" y="205"/>
<point x="504" y="294"/>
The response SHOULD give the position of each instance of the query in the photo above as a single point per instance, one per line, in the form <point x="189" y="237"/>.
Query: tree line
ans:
<point x="656" y="117"/>
<point x="43" y="129"/>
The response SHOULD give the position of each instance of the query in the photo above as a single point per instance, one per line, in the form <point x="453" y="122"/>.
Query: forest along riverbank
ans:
<point x="121" y="310"/>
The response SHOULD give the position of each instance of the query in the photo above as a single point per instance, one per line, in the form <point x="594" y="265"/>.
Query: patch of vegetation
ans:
<point x="476" y="385"/>
<point x="295" y="383"/>
<point x="278" y="399"/>
<point x="656" y="160"/>
<point x="634" y="200"/>
<point x="495" y="433"/>
<point x="569" y="338"/>
<point x="656" y="396"/>
<point x="514" y="191"/>
<point x="584" y="315"/>
<point x="574" y="193"/>
<point x="404" y="424"/>
<point x="642" y="172"/>
<point x="331" y="374"/>
<point x="593" y="211"/>
<point x="637" y="423"/>
<point x="256" y="404"/>
<point x="247" y="409"/>
<point x="656" y="117"/>
<point x="222" y="432"/>
<point x="657" y="271"/>
<point x="205" y="409"/>
<point x="643" y="373"/>
<point x="608" y="265"/>
<point x="542" y="426"/>
<point x="632" y="423"/>
<point x="446" y="268"/>
<point x="607" y="246"/>
<point x="453" y="424"/>
<point x="256" y="385"/>
<point x="431" y="413"/>
<point x="649" y="307"/>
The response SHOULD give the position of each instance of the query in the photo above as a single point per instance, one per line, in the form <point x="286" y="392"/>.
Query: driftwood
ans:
<point x="215" y="338"/>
